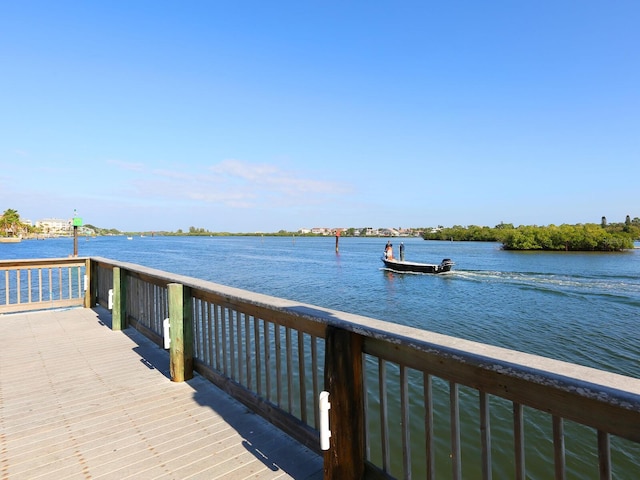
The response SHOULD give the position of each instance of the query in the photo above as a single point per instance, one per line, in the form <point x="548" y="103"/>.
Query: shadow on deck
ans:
<point x="79" y="400"/>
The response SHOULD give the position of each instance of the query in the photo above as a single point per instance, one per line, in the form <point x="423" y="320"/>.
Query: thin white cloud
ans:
<point x="244" y="170"/>
<point x="130" y="166"/>
<point x="274" y="179"/>
<point x="174" y="174"/>
<point x="230" y="199"/>
<point x="233" y="184"/>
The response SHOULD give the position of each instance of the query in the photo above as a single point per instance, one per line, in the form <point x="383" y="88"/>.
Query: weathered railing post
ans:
<point x="181" y="332"/>
<point x="344" y="382"/>
<point x="119" y="313"/>
<point x="89" y="293"/>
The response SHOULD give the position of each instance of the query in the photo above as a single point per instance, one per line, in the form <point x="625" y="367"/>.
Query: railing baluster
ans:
<point x="80" y="281"/>
<point x="302" y="379"/>
<point x="428" y="427"/>
<point x="384" y="432"/>
<point x="558" y="447"/>
<point x="267" y="359"/>
<point x="485" y="433"/>
<point x="132" y="300"/>
<point x="518" y="436"/>
<point x="143" y="305"/>
<point x="60" y="283"/>
<point x="198" y="334"/>
<point x="208" y="326"/>
<point x="29" y="283"/>
<point x="278" y="359"/>
<point x="604" y="455"/>
<point x="153" y="295"/>
<point x="18" y="285"/>
<point x="223" y="322"/>
<point x="241" y="378"/>
<point x="314" y="375"/>
<point x="405" y="422"/>
<point x="212" y="334"/>
<point x="145" y="315"/>
<point x="157" y="308"/>
<point x="154" y="308"/>
<point x="454" y="410"/>
<point x="217" y="328"/>
<point x="40" y="285"/>
<point x="289" y="370"/>
<point x="135" y="304"/>
<point x="204" y="341"/>
<point x="258" y="355"/>
<point x="248" y="349"/>
<point x="197" y="352"/>
<point x="165" y="304"/>
<point x="232" y="343"/>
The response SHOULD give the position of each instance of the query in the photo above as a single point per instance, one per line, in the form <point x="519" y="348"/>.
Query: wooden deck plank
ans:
<point x="78" y="400"/>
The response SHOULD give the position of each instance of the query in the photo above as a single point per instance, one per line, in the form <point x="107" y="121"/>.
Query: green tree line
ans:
<point x="581" y="237"/>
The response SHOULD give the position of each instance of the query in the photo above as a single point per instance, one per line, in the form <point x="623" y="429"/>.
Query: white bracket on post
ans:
<point x="86" y="282"/>
<point x="110" y="300"/>
<point x="325" y="433"/>
<point x="166" y="336"/>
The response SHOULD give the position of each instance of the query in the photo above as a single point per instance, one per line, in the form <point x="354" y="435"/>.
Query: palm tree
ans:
<point x="10" y="224"/>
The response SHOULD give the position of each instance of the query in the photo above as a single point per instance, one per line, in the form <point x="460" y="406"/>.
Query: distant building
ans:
<point x="55" y="226"/>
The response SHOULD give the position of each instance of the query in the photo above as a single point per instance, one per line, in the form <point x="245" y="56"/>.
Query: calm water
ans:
<point x="578" y="307"/>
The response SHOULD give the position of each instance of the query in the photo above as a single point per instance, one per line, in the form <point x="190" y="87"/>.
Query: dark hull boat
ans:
<point x="413" y="267"/>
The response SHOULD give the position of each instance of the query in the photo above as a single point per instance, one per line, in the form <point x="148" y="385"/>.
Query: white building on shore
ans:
<point x="55" y="226"/>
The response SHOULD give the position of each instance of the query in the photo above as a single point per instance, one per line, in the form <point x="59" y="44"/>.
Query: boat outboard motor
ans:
<point x="445" y="264"/>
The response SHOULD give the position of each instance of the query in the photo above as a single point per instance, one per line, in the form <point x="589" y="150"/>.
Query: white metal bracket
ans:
<point x="325" y="433"/>
<point x="110" y="299"/>
<point x="166" y="335"/>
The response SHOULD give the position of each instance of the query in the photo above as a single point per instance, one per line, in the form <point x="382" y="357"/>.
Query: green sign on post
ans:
<point x="77" y="221"/>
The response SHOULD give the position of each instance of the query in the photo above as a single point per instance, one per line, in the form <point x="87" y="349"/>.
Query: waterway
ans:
<point x="582" y="308"/>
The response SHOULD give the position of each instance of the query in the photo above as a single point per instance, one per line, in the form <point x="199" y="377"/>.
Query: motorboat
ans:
<point x="413" y="267"/>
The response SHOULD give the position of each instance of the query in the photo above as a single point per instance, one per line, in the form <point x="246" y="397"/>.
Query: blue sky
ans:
<point x="247" y="116"/>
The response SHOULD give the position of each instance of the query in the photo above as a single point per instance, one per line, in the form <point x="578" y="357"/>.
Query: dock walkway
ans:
<point x="80" y="401"/>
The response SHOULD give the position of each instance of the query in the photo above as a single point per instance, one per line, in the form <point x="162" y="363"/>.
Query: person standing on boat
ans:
<point x="402" y="251"/>
<point x="388" y="251"/>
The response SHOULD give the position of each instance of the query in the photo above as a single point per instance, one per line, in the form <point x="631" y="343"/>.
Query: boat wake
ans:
<point x="624" y="288"/>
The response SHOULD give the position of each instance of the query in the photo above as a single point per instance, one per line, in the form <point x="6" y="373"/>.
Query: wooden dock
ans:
<point x="80" y="401"/>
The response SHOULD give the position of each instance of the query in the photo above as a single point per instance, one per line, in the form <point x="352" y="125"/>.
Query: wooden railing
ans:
<point x="40" y="284"/>
<point x="405" y="403"/>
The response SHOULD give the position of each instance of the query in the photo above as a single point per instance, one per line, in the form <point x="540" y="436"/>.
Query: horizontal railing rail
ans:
<point x="42" y="283"/>
<point x="404" y="402"/>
